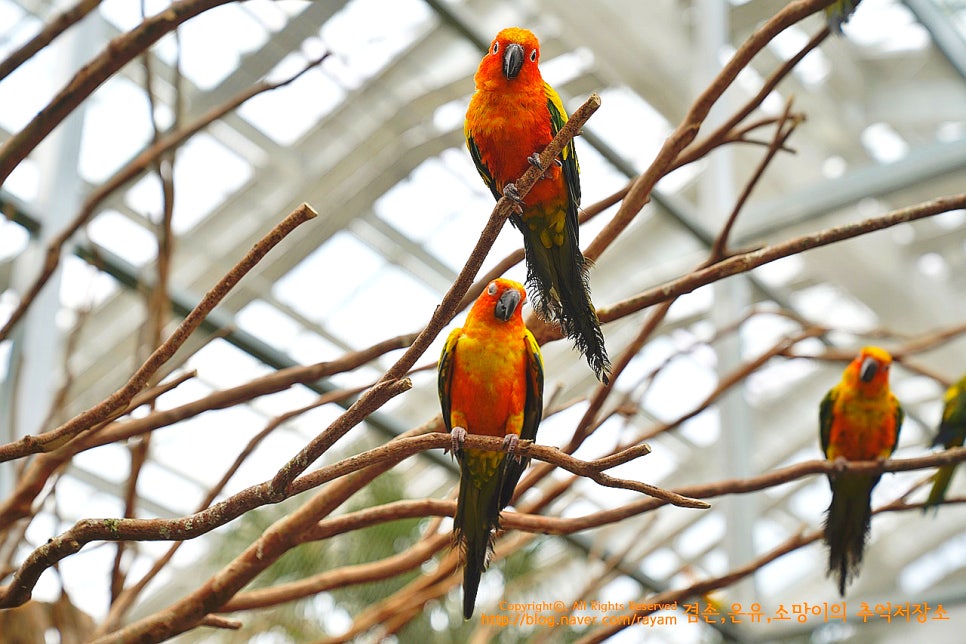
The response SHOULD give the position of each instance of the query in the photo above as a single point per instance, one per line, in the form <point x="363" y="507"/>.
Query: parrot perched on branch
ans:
<point x="490" y="384"/>
<point x="512" y="117"/>
<point x="860" y="419"/>
<point x="838" y="13"/>
<point x="952" y="431"/>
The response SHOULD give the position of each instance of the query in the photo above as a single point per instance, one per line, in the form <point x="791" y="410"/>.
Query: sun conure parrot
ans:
<point x="952" y="431"/>
<point x="512" y="117"/>
<point x="838" y="13"/>
<point x="860" y="419"/>
<point x="490" y="384"/>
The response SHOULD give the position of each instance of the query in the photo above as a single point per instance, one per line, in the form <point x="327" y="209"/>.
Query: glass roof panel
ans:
<point x="372" y="140"/>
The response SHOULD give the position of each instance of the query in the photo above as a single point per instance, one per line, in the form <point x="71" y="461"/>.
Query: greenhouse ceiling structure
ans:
<point x="762" y="197"/>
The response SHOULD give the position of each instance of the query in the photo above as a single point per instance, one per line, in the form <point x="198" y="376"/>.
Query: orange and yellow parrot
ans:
<point x="860" y="419"/>
<point x="512" y="117"/>
<point x="952" y="432"/>
<point x="490" y="384"/>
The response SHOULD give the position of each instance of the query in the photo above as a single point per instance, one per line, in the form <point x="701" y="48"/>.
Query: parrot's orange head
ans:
<point x="511" y="61"/>
<point x="870" y="369"/>
<point x="503" y="299"/>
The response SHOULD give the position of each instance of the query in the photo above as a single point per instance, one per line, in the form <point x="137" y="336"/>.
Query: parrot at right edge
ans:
<point x="952" y="432"/>
<point x="859" y="419"/>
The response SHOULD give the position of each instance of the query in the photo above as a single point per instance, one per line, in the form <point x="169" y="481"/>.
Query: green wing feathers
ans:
<point x="532" y="413"/>
<point x="952" y="432"/>
<point x="445" y="378"/>
<point x="568" y="156"/>
<point x="825" y="418"/>
<point x="558" y="274"/>
<point x="480" y="166"/>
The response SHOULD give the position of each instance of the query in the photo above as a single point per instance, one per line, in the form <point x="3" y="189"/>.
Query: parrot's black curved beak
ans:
<point x="869" y="368"/>
<point x="512" y="60"/>
<point x="507" y="304"/>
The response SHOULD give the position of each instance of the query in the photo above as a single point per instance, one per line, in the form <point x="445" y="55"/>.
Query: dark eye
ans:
<point x="495" y="48"/>
<point x="533" y="56"/>
<point x="491" y="289"/>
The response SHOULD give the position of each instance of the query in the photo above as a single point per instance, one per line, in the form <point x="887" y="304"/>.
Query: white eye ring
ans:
<point x="533" y="56"/>
<point x="496" y="47"/>
<point x="491" y="289"/>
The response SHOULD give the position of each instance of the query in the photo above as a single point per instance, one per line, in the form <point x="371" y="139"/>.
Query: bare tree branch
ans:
<point x="118" y="53"/>
<point x="119" y="399"/>
<point x="640" y="191"/>
<point x="54" y="28"/>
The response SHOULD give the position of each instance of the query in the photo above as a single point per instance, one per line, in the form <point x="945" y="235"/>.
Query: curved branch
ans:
<point x="53" y="439"/>
<point x="135" y="167"/>
<point x="87" y="530"/>
<point x="344" y="576"/>
<point x="118" y="53"/>
<point x="54" y="27"/>
<point x="640" y="190"/>
<point x="747" y="261"/>
<point x="38" y="471"/>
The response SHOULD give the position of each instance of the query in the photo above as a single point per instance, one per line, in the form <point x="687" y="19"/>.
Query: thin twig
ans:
<point x="54" y="28"/>
<point x="127" y="597"/>
<point x="747" y="261"/>
<point x="118" y="53"/>
<point x="32" y="481"/>
<point x="120" y="398"/>
<point x="129" y="172"/>
<point x="640" y="191"/>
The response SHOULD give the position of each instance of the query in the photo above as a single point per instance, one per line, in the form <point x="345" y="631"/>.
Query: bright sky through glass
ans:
<point x="383" y="273"/>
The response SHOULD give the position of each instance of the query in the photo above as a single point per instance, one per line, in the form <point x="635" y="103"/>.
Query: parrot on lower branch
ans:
<point x="952" y="432"/>
<point x="490" y="384"/>
<point x="511" y="118"/>
<point x="860" y="419"/>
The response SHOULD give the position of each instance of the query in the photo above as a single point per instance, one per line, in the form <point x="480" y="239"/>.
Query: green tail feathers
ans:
<point x="847" y="525"/>
<point x="477" y="516"/>
<point x="944" y="475"/>
<point x="560" y="291"/>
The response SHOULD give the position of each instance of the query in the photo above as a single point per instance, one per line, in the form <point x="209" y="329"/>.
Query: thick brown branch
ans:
<point x="343" y="576"/>
<point x="204" y="521"/>
<point x="127" y="597"/>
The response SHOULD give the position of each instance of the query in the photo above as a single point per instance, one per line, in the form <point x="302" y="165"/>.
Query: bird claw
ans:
<point x="510" y="192"/>
<point x="841" y="463"/>
<point x="458" y="438"/>
<point x="510" y="442"/>
<point x="534" y="160"/>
